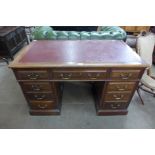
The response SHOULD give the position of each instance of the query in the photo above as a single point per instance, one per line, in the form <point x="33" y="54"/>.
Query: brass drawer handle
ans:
<point x="95" y="77"/>
<point x="115" y="106"/>
<point x="118" y="97"/>
<point x="39" y="97"/>
<point x="36" y="87"/>
<point x="33" y="76"/>
<point x="65" y="76"/>
<point x="125" y="76"/>
<point x="121" y="88"/>
<point x="42" y="106"/>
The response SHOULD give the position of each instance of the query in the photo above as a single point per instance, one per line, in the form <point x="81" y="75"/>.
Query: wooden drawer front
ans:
<point x="114" y="105"/>
<point x="117" y="97"/>
<point x="39" y="96"/>
<point x="125" y="74"/>
<point x="37" y="86"/>
<point x="79" y="75"/>
<point x="32" y="75"/>
<point x="95" y="75"/>
<point x="42" y="105"/>
<point x="120" y="86"/>
<point x="66" y="75"/>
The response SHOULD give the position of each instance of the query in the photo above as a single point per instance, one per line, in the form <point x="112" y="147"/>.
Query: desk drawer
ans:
<point x="42" y="105"/>
<point x="95" y="75"/>
<point x="39" y="96"/>
<point x="117" y="97"/>
<point x="114" y="105"/>
<point x="37" y="86"/>
<point x="32" y="74"/>
<point x="79" y="75"/>
<point x="120" y="86"/>
<point x="125" y="74"/>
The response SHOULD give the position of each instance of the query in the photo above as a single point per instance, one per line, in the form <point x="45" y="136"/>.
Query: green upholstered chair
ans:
<point x="94" y="35"/>
<point x="43" y="32"/>
<point x="85" y="35"/>
<point x="62" y="35"/>
<point x="105" y="33"/>
<point x="114" y="32"/>
<point x="52" y="35"/>
<point x="73" y="35"/>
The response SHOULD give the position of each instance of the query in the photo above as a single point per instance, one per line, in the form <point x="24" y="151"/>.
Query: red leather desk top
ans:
<point x="72" y="53"/>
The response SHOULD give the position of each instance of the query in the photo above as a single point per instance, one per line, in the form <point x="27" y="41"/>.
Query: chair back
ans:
<point x="145" y="46"/>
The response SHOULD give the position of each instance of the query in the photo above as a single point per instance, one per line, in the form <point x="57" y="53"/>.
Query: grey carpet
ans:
<point x="78" y="109"/>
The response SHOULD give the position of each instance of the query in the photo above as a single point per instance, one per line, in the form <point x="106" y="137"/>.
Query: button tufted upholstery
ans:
<point x="106" y="32"/>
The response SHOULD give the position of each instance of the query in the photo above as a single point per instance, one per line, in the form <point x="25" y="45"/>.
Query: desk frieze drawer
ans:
<point x="117" y="97"/>
<point x="95" y="75"/>
<point x="37" y="86"/>
<point x="39" y="96"/>
<point x="29" y="74"/>
<point x="125" y="74"/>
<point x="79" y="75"/>
<point x="42" y="105"/>
<point x="120" y="86"/>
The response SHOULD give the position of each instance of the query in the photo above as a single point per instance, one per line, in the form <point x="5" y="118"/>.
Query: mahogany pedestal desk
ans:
<point x="113" y="68"/>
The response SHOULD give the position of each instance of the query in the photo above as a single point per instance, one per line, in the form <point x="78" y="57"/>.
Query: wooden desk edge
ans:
<point x="48" y="65"/>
